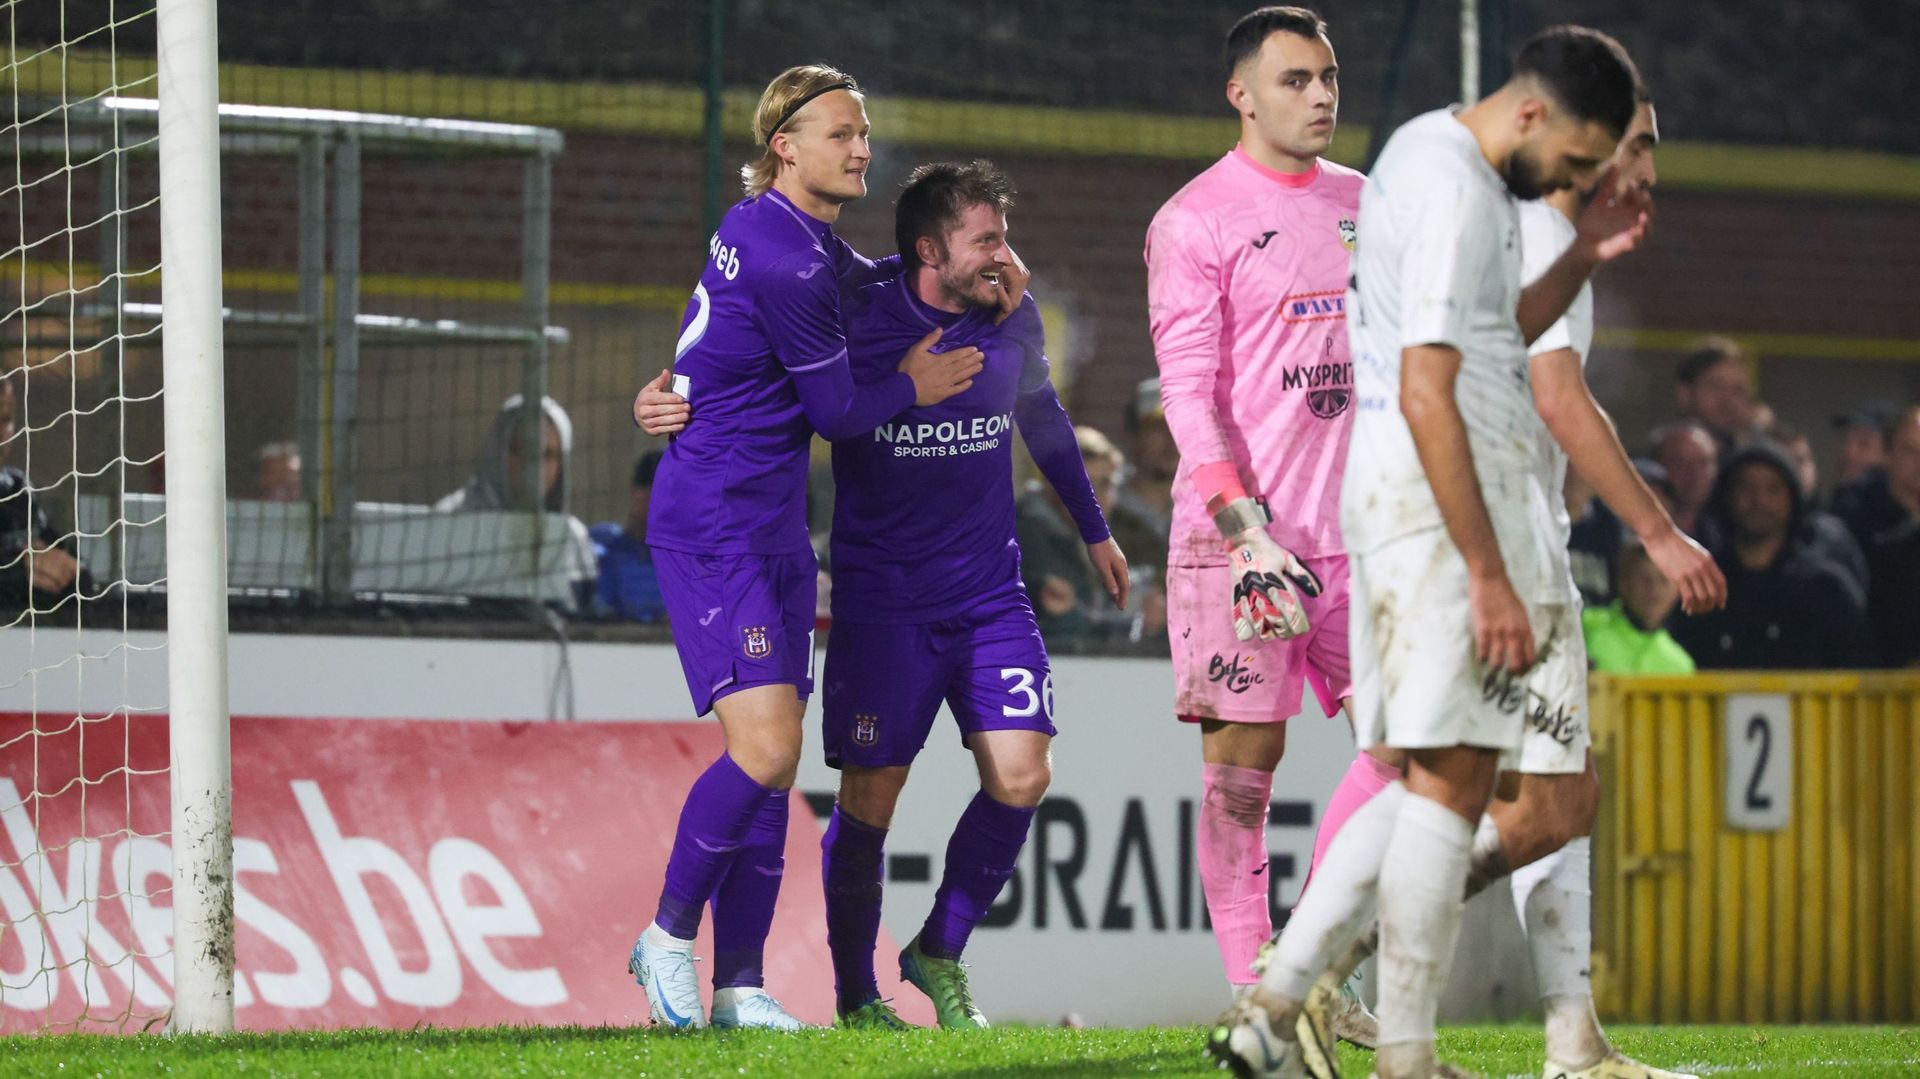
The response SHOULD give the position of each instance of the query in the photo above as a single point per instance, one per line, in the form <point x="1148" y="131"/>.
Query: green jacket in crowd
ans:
<point x="1617" y="646"/>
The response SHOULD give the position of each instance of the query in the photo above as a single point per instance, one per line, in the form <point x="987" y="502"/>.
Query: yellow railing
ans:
<point x="1703" y="915"/>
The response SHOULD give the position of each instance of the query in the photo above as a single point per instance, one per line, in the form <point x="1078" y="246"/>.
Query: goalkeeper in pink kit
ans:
<point x="1246" y="278"/>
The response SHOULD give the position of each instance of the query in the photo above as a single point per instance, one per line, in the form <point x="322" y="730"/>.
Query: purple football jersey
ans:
<point x="923" y="513"/>
<point x="763" y="355"/>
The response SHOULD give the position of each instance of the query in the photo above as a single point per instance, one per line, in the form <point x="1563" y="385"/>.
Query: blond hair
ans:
<point x="778" y="102"/>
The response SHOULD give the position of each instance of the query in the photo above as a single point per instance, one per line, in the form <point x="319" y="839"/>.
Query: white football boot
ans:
<point x="1244" y="1041"/>
<point x="749" y="1006"/>
<point x="663" y="965"/>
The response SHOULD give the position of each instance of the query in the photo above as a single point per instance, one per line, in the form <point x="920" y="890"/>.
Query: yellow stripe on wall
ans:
<point x="675" y="111"/>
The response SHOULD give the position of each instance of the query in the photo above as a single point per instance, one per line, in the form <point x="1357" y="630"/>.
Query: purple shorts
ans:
<point x="740" y="620"/>
<point x="885" y="682"/>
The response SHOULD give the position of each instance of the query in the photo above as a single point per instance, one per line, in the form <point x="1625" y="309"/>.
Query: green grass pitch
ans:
<point x="1008" y="1051"/>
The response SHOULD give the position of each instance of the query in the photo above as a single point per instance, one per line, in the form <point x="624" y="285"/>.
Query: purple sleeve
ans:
<point x="857" y="271"/>
<point x="1049" y="435"/>
<point x="799" y="304"/>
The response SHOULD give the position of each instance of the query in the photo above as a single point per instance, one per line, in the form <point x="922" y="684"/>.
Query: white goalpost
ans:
<point x="116" y="846"/>
<point x="200" y="750"/>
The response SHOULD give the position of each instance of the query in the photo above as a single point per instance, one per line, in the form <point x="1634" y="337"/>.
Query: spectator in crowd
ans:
<point x="1691" y="458"/>
<point x="1713" y="387"/>
<point x="1067" y="596"/>
<point x="1628" y="636"/>
<point x="628" y="588"/>
<point x="1893" y="555"/>
<point x="277" y="478"/>
<point x="1787" y="607"/>
<point x="1829" y="535"/>
<point x="1142" y="515"/>
<point x="35" y="569"/>
<point x="1863" y="441"/>
<point x="1866" y="502"/>
<point x="496" y="483"/>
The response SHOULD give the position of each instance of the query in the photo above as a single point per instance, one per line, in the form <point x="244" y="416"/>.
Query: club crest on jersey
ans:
<point x="1349" y="233"/>
<point x="757" y="645"/>
<point x="866" y="730"/>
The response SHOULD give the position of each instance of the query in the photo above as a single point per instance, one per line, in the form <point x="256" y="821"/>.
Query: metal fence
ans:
<point x="535" y="217"/>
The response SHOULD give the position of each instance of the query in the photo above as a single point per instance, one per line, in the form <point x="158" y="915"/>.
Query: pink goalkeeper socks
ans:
<point x="1365" y="778"/>
<point x="1232" y="852"/>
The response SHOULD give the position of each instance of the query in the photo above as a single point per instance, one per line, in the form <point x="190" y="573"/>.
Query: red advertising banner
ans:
<point x="387" y="873"/>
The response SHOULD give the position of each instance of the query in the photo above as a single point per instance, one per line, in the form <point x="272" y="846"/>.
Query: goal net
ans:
<point x="115" y="891"/>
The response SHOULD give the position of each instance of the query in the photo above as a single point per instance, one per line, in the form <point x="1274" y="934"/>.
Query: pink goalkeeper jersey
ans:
<point x="1246" y="297"/>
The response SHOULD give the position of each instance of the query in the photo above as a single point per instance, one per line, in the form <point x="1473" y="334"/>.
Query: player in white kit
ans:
<point x="1446" y="512"/>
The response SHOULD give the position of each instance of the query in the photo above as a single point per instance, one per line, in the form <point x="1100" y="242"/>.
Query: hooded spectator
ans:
<point x="496" y="479"/>
<point x="1788" y="608"/>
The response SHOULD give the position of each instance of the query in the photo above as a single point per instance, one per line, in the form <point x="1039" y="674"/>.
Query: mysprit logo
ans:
<point x="757" y="645"/>
<point x="1349" y="233"/>
<point x="866" y="730"/>
<point x="1314" y="306"/>
<point x="1329" y="384"/>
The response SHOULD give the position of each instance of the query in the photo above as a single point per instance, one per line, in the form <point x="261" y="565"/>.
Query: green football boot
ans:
<point x="875" y="1014"/>
<point x="944" y="981"/>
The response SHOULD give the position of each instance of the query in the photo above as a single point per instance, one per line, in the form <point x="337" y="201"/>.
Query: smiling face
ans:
<point x="970" y="257"/>
<point x="1288" y="95"/>
<point x="824" y="148"/>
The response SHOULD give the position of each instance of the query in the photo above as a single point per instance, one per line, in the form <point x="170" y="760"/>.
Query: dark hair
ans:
<point x="644" y="469"/>
<point x="937" y="195"/>
<point x="1587" y="72"/>
<point x="1256" y="26"/>
<point x="1706" y="354"/>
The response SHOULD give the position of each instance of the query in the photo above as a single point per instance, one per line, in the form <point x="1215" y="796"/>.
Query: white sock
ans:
<point x="1421" y="880"/>
<point x="1558" y="915"/>
<point x="1339" y="903"/>
<point x="1528" y="877"/>
<point x="660" y="938"/>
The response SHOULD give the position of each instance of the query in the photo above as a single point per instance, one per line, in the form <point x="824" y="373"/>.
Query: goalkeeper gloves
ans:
<point x="1268" y="580"/>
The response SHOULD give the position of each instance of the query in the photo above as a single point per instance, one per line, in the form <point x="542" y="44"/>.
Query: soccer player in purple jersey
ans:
<point x="763" y="352"/>
<point x="927" y="600"/>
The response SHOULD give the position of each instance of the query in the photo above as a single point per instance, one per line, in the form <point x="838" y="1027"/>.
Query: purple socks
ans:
<point x="980" y="857"/>
<point x="714" y="823"/>
<point x="852" y="864"/>
<point x="743" y="907"/>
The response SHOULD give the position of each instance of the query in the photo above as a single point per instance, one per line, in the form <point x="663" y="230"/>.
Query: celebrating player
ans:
<point x="927" y="600"/>
<point x="762" y="349"/>
<point x="1246" y="279"/>
<point x="1445" y="509"/>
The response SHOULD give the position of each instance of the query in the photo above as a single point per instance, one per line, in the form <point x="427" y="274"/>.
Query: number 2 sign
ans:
<point x="1759" y="732"/>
